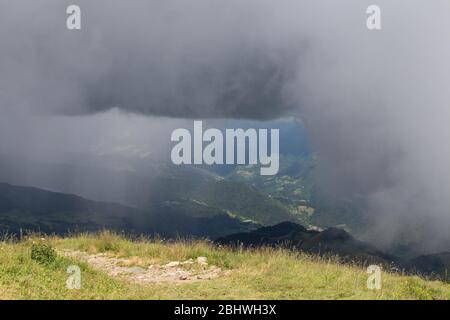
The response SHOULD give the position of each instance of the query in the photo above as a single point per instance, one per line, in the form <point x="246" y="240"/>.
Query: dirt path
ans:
<point x="175" y="271"/>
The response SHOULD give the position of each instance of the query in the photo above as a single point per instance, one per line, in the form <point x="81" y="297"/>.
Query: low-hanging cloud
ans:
<point x="176" y="58"/>
<point x="376" y="103"/>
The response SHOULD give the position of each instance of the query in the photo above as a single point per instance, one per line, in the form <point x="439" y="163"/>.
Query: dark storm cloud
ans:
<point x="179" y="59"/>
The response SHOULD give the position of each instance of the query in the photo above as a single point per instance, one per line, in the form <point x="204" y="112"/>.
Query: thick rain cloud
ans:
<point x="178" y="59"/>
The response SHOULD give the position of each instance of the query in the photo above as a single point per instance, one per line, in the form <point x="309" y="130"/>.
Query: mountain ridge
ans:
<point x="337" y="242"/>
<point x="35" y="209"/>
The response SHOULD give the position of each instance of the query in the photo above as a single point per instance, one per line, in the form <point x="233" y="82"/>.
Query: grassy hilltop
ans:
<point x="113" y="267"/>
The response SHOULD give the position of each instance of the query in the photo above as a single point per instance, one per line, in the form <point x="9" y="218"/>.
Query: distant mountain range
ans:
<point x="149" y="184"/>
<point x="187" y="190"/>
<point x="330" y="242"/>
<point x="32" y="209"/>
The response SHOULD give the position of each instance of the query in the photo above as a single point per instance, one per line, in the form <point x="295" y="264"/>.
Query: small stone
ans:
<point x="173" y="264"/>
<point x="190" y="261"/>
<point x="203" y="261"/>
<point x="183" y="277"/>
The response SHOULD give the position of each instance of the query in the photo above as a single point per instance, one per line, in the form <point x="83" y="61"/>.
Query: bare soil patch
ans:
<point x="174" y="271"/>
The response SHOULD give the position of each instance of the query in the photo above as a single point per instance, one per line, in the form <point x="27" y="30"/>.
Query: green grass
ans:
<point x="253" y="274"/>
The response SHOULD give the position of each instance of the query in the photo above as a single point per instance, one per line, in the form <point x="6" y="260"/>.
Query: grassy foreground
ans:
<point x="252" y="274"/>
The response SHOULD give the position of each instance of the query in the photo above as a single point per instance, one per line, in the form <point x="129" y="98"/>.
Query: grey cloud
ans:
<point x="176" y="59"/>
